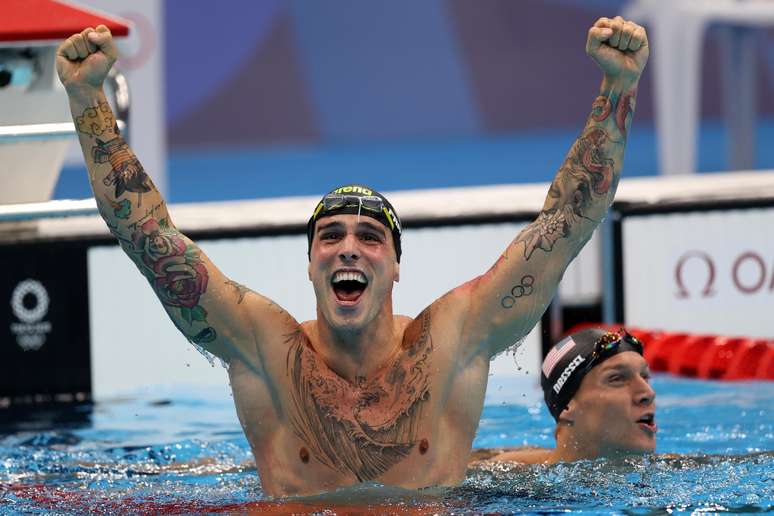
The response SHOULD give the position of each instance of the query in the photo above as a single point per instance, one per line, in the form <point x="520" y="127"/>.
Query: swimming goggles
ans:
<point x="609" y="344"/>
<point x="366" y="202"/>
<point x="372" y="203"/>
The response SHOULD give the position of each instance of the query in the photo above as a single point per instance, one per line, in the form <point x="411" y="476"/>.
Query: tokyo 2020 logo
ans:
<point x="30" y="303"/>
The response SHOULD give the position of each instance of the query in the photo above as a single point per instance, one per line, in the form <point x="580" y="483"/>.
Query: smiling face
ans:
<point x="352" y="267"/>
<point x="613" y="412"/>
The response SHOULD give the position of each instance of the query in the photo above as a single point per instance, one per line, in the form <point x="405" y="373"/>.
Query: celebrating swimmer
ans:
<point x="359" y="394"/>
<point x="596" y="386"/>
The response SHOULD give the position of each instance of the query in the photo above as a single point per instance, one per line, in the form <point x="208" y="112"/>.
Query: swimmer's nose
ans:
<point x="349" y="251"/>
<point x="645" y="395"/>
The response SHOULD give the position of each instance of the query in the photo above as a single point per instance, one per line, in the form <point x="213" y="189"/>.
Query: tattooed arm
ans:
<point x="506" y="302"/>
<point x="210" y="310"/>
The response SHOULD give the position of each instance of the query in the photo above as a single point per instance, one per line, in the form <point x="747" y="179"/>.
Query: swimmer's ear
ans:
<point x="309" y="271"/>
<point x="397" y="272"/>
<point x="567" y="416"/>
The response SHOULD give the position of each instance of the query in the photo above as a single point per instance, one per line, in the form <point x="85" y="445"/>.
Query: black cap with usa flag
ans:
<point x="571" y="359"/>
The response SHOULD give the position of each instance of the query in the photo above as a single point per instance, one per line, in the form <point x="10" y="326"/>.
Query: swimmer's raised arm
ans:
<point x="213" y="312"/>
<point x="503" y="305"/>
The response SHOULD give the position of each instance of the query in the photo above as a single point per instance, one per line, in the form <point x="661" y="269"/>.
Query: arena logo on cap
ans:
<point x="353" y="189"/>
<point x="31" y="332"/>
<point x="567" y="372"/>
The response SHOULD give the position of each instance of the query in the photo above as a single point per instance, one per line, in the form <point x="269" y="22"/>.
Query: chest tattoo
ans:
<point x="366" y="427"/>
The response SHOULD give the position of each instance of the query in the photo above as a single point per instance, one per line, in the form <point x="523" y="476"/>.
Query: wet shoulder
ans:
<point x="525" y="455"/>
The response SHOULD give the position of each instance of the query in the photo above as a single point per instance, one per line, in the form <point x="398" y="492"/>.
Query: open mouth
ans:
<point x="349" y="286"/>
<point x="648" y="421"/>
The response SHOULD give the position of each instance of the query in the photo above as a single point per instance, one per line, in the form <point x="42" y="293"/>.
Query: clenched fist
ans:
<point x="83" y="60"/>
<point x="620" y="48"/>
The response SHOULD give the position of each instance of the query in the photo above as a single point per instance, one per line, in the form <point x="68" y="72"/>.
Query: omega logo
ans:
<point x="710" y="267"/>
<point x="749" y="274"/>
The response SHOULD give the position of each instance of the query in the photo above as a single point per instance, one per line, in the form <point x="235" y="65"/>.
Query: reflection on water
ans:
<point x="186" y="454"/>
<point x="717" y="483"/>
<point x="648" y="483"/>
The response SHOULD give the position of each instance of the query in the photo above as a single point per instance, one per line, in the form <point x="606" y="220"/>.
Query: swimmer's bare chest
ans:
<point x="315" y="431"/>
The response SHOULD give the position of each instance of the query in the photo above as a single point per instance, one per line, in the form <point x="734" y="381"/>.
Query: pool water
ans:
<point x="184" y="452"/>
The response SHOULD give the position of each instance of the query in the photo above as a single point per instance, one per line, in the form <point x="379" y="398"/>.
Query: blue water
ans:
<point x="185" y="453"/>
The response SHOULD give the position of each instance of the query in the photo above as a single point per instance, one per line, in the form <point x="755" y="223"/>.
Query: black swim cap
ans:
<point x="571" y="359"/>
<point x="358" y="200"/>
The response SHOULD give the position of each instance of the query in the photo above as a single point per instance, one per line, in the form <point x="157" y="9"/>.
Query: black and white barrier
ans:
<point x="694" y="254"/>
<point x="688" y="253"/>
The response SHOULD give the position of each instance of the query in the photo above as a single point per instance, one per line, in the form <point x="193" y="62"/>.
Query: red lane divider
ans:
<point x="669" y="344"/>
<point x="715" y="360"/>
<point x="745" y="361"/>
<point x="712" y="357"/>
<point x="685" y="362"/>
<point x="766" y="367"/>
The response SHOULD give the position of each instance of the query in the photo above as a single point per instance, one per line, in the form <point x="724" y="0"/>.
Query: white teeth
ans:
<point x="349" y="276"/>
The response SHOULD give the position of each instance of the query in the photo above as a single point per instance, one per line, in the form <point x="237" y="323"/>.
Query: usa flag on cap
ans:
<point x="556" y="354"/>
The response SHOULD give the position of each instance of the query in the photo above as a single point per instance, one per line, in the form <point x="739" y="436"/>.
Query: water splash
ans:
<point x="188" y="455"/>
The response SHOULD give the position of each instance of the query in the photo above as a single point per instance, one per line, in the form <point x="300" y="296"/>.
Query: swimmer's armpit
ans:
<point x="240" y="290"/>
<point x="206" y="307"/>
<point x="240" y="294"/>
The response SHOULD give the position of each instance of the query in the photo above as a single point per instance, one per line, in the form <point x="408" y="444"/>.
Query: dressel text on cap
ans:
<point x="567" y="372"/>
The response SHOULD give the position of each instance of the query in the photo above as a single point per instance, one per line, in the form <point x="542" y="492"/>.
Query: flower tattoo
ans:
<point x="176" y="272"/>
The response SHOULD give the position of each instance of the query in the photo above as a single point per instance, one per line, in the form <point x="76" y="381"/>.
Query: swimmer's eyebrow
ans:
<point x="615" y="367"/>
<point x="375" y="227"/>
<point x="623" y="367"/>
<point x="334" y="224"/>
<point x="337" y="225"/>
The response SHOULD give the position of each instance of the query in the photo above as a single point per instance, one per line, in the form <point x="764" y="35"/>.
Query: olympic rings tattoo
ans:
<point x="524" y="288"/>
